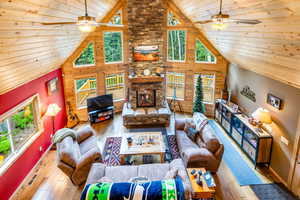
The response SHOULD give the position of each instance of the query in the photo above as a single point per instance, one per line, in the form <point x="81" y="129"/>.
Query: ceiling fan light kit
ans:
<point x="87" y="23"/>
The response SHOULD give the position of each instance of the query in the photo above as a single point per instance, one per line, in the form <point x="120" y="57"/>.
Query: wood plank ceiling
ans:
<point x="271" y="48"/>
<point x="29" y="49"/>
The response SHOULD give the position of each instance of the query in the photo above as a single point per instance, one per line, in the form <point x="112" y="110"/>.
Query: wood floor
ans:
<point x="47" y="182"/>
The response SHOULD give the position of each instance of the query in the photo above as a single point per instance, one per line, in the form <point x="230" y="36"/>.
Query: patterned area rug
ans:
<point x="272" y="192"/>
<point x="112" y="147"/>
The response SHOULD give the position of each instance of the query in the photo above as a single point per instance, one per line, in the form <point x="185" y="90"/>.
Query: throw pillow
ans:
<point x="192" y="133"/>
<point x="201" y="125"/>
<point x="189" y="123"/>
<point x="171" y="174"/>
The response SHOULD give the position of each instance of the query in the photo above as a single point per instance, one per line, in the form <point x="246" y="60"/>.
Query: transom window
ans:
<point x="113" y="52"/>
<point x="175" y="85"/>
<point x="203" y="55"/>
<point x="172" y="19"/>
<point x="208" y="84"/>
<point x="85" y="88"/>
<point x="18" y="128"/>
<point x="115" y="85"/>
<point x="87" y="57"/>
<point x="117" y="18"/>
<point x="176" y="45"/>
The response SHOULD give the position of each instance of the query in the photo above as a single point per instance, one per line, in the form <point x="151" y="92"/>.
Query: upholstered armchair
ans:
<point x="76" y="156"/>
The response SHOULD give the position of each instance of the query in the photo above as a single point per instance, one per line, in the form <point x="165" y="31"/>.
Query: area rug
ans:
<point x="112" y="147"/>
<point x="244" y="174"/>
<point x="272" y="191"/>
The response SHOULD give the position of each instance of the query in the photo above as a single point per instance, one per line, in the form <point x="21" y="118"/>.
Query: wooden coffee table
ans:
<point x="200" y="191"/>
<point x="141" y="145"/>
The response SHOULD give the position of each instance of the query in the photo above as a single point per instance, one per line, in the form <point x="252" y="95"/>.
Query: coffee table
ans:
<point x="143" y="143"/>
<point x="203" y="191"/>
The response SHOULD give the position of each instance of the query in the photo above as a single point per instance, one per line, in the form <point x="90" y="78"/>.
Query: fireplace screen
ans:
<point x="146" y="98"/>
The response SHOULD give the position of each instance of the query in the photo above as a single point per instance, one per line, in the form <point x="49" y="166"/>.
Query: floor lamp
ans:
<point x="52" y="111"/>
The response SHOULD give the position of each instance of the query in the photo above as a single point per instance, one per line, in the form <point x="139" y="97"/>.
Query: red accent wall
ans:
<point x="12" y="178"/>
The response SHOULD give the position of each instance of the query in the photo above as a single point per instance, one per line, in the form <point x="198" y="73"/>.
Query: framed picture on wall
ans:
<point x="146" y="53"/>
<point x="52" y="86"/>
<point x="274" y="101"/>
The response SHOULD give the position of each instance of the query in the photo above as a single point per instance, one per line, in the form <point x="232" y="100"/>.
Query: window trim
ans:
<point x="75" y="90"/>
<point x="116" y="100"/>
<point x="35" y="99"/>
<point x="86" y="65"/>
<point x="179" y="99"/>
<point x="122" y="43"/>
<point x="214" y="88"/>
<point x="204" y="62"/>
<point x="185" y="46"/>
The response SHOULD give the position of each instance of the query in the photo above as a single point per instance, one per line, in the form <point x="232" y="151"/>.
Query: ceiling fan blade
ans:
<point x="245" y="21"/>
<point x="111" y="25"/>
<point x="204" y="22"/>
<point x="58" y="23"/>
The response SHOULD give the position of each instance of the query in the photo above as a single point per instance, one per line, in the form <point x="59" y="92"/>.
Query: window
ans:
<point x="203" y="55"/>
<point x="86" y="58"/>
<point x="117" y="18"/>
<point x="208" y="84"/>
<point x="115" y="85"/>
<point x="176" y="45"/>
<point x="175" y="85"/>
<point x="85" y="88"/>
<point x="113" y="47"/>
<point x="172" y="20"/>
<point x="17" y="130"/>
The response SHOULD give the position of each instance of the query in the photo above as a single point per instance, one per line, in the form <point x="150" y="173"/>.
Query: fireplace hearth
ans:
<point x="146" y="98"/>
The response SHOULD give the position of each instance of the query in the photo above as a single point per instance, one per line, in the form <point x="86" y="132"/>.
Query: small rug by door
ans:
<point x="272" y="191"/>
<point x="244" y="174"/>
<point x="112" y="148"/>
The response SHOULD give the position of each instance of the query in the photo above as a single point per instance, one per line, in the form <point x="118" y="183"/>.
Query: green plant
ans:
<point x="4" y="145"/>
<point x="22" y="121"/>
<point x="198" y="104"/>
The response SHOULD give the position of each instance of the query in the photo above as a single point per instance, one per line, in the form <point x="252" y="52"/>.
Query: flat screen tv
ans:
<point x="99" y="102"/>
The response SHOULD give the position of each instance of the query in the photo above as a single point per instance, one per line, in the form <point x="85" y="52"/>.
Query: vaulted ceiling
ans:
<point x="271" y="48"/>
<point x="29" y="49"/>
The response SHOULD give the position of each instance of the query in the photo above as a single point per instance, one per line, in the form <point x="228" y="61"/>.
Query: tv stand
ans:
<point x="101" y="114"/>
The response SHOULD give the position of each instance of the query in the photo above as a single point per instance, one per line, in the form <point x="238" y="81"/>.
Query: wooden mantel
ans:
<point x="147" y="79"/>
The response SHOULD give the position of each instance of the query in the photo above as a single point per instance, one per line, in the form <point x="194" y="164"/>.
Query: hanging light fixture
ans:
<point x="86" y="23"/>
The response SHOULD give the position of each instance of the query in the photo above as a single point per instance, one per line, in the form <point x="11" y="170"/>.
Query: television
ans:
<point x="99" y="102"/>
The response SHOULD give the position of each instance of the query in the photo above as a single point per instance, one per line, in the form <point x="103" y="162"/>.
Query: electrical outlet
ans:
<point x="41" y="148"/>
<point x="284" y="140"/>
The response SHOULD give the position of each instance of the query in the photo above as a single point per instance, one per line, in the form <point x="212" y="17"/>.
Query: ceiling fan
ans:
<point x="220" y="20"/>
<point x="85" y="23"/>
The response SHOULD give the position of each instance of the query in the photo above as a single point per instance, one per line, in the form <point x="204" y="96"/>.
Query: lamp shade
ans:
<point x="262" y="115"/>
<point x="52" y="110"/>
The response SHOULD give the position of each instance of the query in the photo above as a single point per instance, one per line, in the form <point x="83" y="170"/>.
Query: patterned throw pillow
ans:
<point x="192" y="133"/>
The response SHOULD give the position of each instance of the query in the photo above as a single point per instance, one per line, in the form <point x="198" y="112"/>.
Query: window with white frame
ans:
<point x="115" y="85"/>
<point x="202" y="54"/>
<point x="175" y="83"/>
<point x="176" y="45"/>
<point x="86" y="58"/>
<point x="208" y="84"/>
<point x="18" y="128"/>
<point x="85" y="88"/>
<point x="113" y="47"/>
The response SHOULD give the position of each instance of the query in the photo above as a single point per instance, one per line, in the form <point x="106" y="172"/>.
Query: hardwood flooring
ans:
<point x="47" y="182"/>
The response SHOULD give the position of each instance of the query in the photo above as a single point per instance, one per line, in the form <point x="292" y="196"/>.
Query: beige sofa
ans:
<point x="146" y="116"/>
<point x="206" y="151"/>
<point x="75" y="157"/>
<point x="152" y="171"/>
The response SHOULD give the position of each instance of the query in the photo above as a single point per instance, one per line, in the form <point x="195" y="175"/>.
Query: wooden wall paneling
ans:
<point x="271" y="48"/>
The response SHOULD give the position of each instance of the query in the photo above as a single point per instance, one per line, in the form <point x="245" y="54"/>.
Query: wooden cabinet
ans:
<point x="255" y="144"/>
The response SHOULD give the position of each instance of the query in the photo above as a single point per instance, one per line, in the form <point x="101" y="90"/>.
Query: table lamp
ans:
<point x="263" y="116"/>
<point x="52" y="111"/>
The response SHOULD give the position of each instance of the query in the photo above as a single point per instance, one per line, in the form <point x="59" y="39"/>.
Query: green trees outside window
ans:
<point x="172" y="20"/>
<point x="117" y="18"/>
<point x="87" y="56"/>
<point x="203" y="54"/>
<point x="176" y="45"/>
<point x="85" y="88"/>
<point x="113" y="47"/>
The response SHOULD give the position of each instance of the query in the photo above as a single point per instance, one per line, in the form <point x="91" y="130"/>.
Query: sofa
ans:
<point x="153" y="172"/>
<point x="76" y="156"/>
<point x="146" y="116"/>
<point x="205" y="150"/>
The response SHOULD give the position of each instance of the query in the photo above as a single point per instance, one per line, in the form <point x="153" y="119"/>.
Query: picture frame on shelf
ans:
<point x="52" y="86"/>
<point x="274" y="101"/>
